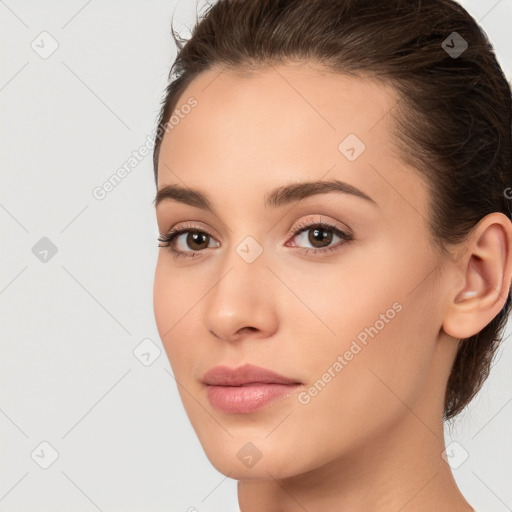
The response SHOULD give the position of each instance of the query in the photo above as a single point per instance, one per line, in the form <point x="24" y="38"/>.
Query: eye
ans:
<point x="320" y="235"/>
<point x="196" y="239"/>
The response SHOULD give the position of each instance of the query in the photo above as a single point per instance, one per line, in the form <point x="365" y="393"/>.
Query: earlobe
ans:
<point x="487" y="269"/>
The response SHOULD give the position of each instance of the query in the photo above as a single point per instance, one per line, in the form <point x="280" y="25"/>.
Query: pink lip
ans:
<point x="245" y="389"/>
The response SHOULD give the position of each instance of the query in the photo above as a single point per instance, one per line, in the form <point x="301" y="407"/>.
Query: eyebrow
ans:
<point x="274" y="199"/>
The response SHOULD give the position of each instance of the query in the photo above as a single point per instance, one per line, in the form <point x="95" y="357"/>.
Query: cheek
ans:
<point x="375" y="347"/>
<point x="163" y="303"/>
<point x="173" y="313"/>
<point x="373" y="386"/>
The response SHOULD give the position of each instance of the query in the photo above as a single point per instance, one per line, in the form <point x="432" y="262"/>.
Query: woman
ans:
<point x="333" y="199"/>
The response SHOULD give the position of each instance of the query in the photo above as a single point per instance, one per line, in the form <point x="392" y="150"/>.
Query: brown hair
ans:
<point x="453" y="117"/>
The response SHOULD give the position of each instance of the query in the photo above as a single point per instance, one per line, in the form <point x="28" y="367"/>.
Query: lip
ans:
<point x="243" y="375"/>
<point x="245" y="389"/>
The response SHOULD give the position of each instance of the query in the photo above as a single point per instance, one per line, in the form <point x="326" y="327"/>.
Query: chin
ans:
<point x="246" y="457"/>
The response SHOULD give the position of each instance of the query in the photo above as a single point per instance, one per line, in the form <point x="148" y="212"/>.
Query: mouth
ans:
<point x="246" y="389"/>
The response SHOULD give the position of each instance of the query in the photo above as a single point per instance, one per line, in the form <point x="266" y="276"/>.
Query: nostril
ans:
<point x="245" y="329"/>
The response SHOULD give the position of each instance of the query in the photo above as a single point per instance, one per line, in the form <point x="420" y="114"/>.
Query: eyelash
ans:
<point x="169" y="238"/>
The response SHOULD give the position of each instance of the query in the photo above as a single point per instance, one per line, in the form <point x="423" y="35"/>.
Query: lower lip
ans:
<point x="246" y="399"/>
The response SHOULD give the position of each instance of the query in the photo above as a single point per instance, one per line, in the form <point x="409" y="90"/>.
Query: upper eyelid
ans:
<point x="189" y="226"/>
<point x="297" y="228"/>
<point x="319" y="220"/>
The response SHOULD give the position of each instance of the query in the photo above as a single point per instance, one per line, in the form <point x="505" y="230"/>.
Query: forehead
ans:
<point x="250" y="132"/>
<point x="281" y="95"/>
<point x="308" y="89"/>
<point x="277" y="103"/>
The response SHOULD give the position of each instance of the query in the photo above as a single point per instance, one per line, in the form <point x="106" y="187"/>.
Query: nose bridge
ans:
<point x="243" y="270"/>
<point x="241" y="295"/>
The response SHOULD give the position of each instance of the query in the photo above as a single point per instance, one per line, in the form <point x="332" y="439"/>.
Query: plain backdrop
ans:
<point x="90" y="417"/>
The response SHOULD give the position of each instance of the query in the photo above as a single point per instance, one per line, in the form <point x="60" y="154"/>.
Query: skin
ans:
<point x="372" y="438"/>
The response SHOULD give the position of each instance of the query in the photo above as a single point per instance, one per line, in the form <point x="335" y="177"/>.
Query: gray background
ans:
<point x="70" y="323"/>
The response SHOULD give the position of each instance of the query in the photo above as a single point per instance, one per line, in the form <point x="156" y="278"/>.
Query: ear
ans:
<point x="484" y="267"/>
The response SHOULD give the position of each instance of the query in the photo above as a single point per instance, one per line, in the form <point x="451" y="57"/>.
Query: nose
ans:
<point x="242" y="302"/>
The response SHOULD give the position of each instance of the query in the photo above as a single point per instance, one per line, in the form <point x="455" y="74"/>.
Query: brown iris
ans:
<point x="198" y="238"/>
<point x="319" y="235"/>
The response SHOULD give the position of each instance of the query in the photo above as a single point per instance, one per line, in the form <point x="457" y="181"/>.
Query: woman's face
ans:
<point x="355" y="320"/>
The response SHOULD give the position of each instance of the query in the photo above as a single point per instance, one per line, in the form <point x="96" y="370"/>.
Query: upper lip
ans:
<point x="246" y="374"/>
